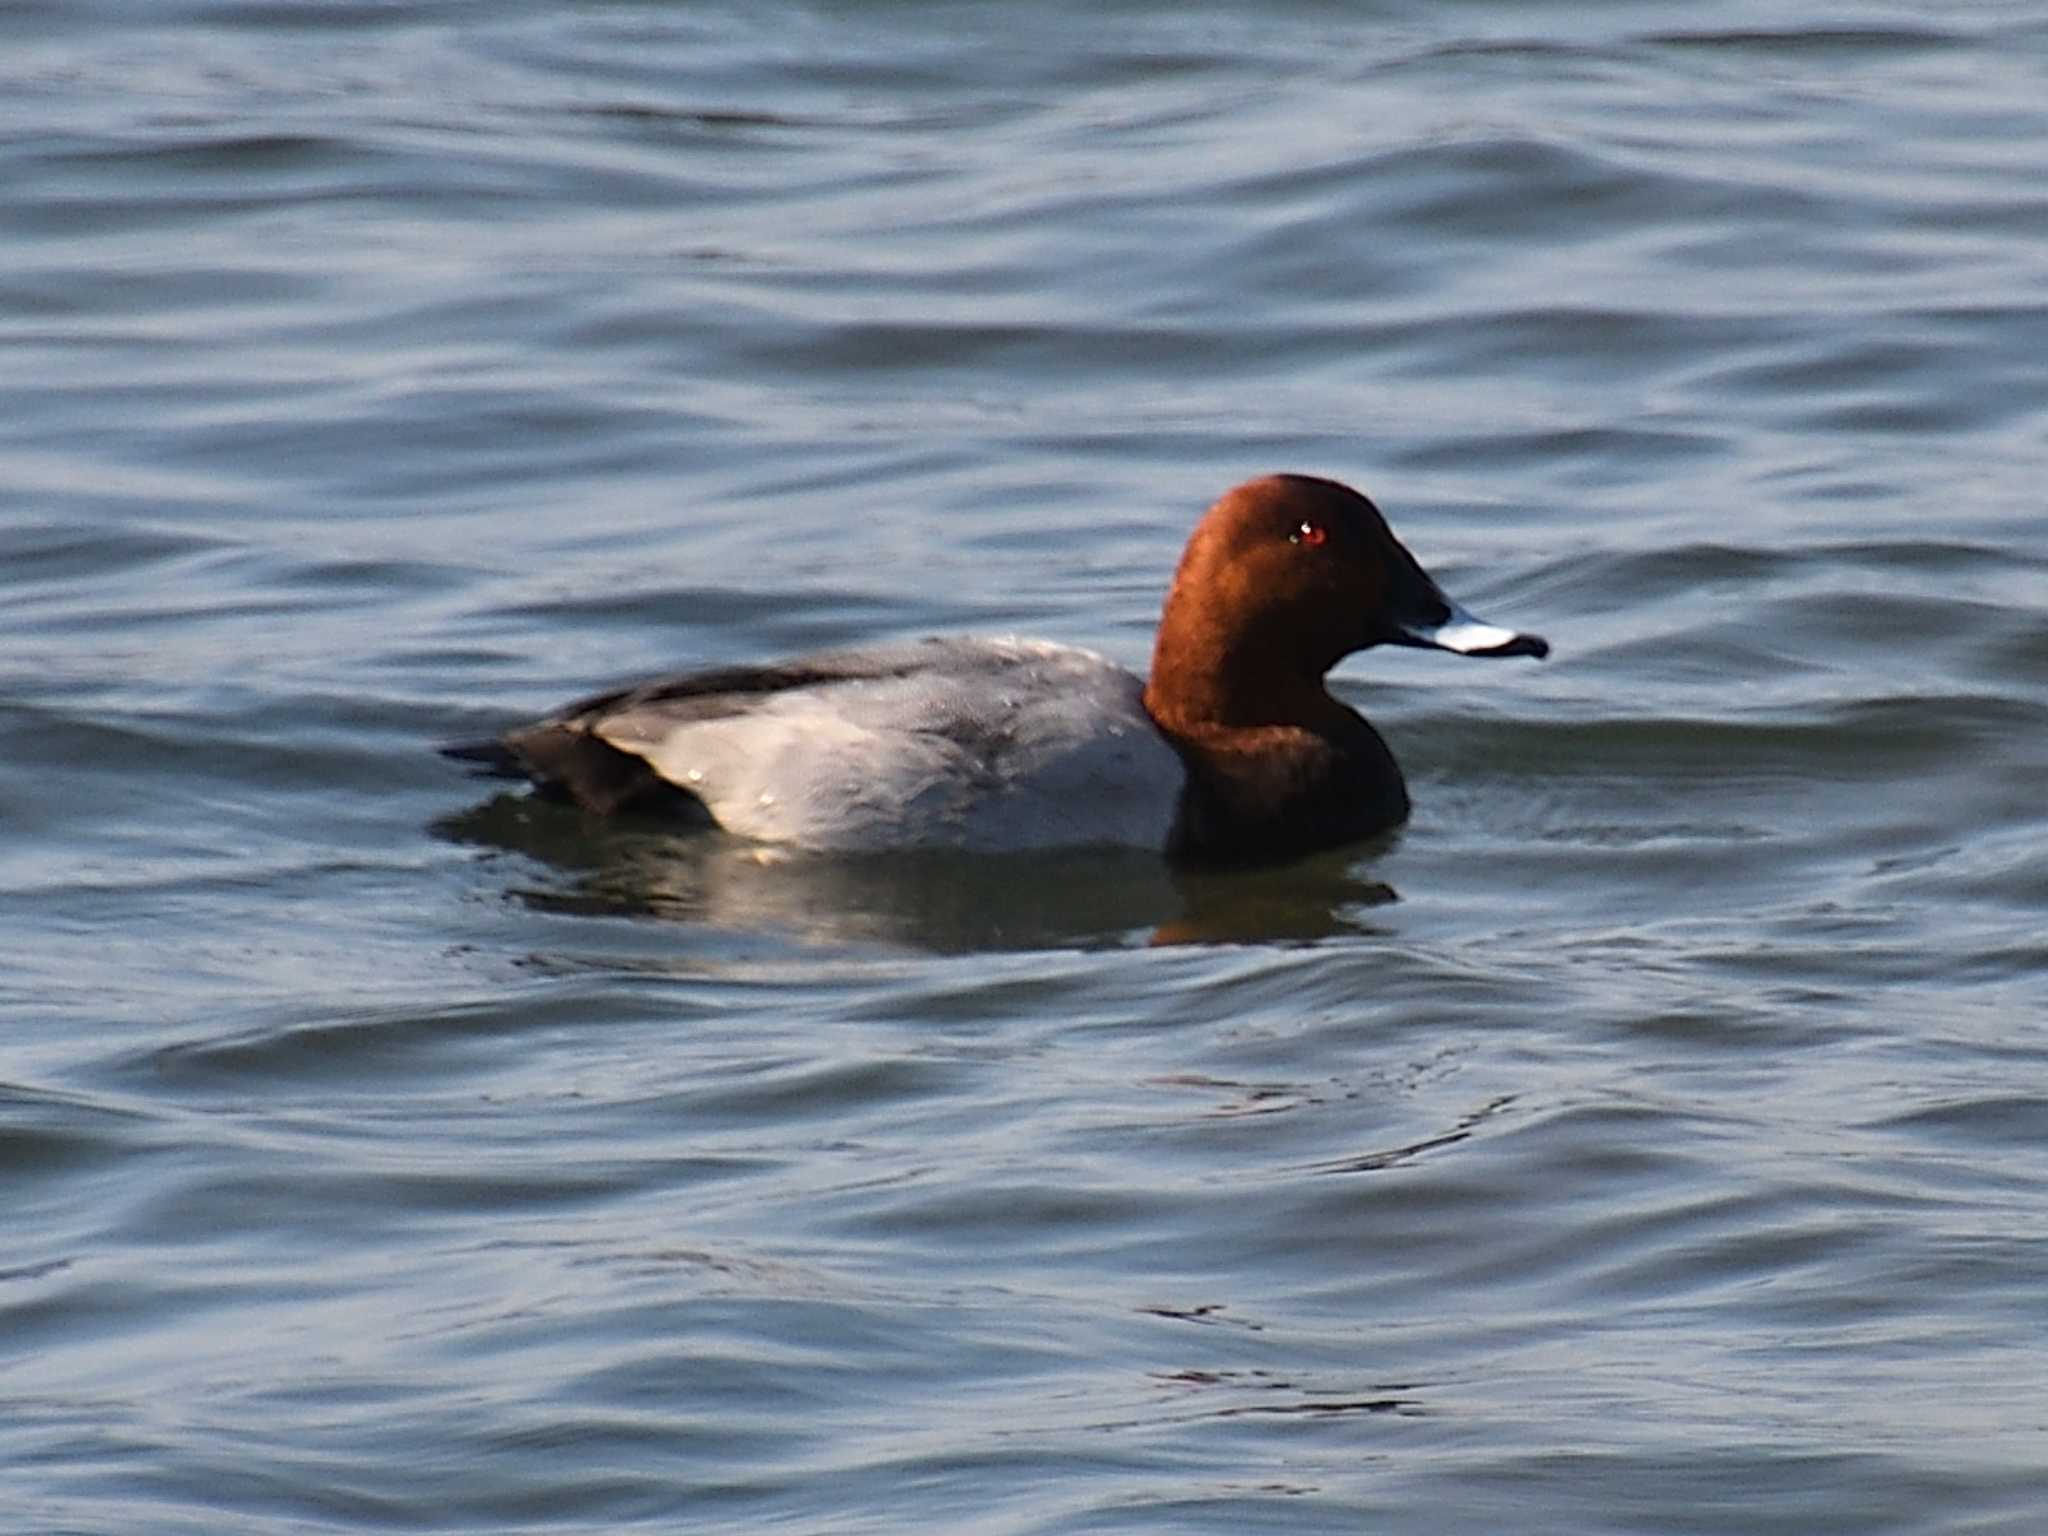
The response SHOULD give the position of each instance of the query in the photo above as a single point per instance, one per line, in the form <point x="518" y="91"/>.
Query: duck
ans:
<point x="1231" y="750"/>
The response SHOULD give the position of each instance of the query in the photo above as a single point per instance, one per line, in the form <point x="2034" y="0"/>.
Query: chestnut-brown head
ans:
<point x="1284" y="577"/>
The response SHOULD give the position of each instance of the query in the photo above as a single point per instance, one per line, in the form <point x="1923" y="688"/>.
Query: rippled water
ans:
<point x="1651" y="1138"/>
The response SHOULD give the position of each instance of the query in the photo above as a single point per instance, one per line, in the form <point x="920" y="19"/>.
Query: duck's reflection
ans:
<point x="947" y="902"/>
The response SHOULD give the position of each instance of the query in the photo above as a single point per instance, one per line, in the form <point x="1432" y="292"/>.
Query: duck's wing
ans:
<point x="958" y="742"/>
<point x="591" y="751"/>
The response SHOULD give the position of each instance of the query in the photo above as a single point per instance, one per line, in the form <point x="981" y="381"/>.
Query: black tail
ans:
<point x="493" y="759"/>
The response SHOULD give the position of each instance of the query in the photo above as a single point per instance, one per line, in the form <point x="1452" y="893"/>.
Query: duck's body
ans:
<point x="996" y="745"/>
<point x="1232" y="749"/>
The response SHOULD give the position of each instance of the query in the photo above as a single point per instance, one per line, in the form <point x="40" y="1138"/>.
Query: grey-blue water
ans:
<point x="1652" y="1138"/>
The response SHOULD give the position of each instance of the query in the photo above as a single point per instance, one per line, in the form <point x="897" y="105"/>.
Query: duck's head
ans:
<point x="1288" y="574"/>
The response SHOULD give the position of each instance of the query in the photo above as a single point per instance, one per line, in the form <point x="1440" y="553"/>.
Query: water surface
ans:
<point x="1649" y="1138"/>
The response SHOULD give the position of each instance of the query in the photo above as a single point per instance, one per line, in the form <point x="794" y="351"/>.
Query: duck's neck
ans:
<point x="1276" y="766"/>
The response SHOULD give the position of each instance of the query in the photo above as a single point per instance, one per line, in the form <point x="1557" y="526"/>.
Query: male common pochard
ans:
<point x="1233" y="750"/>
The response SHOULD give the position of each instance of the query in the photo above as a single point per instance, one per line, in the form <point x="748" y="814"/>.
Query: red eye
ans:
<point x="1314" y="535"/>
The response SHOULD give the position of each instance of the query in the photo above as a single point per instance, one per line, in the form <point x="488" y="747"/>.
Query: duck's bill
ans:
<point x="1469" y="635"/>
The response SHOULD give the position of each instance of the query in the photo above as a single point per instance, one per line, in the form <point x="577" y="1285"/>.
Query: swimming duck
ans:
<point x="1231" y="750"/>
